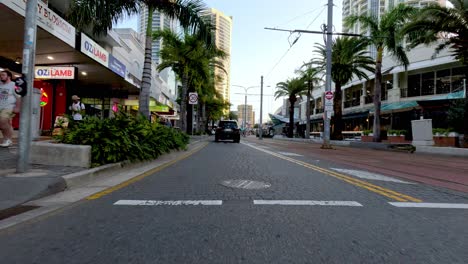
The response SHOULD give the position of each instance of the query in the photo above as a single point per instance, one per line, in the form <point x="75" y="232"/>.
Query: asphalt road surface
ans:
<point x="253" y="202"/>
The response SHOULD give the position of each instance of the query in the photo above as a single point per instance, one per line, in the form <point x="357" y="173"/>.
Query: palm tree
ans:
<point x="99" y="16"/>
<point x="191" y="59"/>
<point x="448" y="27"/>
<point x="309" y="75"/>
<point x="349" y="58"/>
<point x="385" y="34"/>
<point x="291" y="88"/>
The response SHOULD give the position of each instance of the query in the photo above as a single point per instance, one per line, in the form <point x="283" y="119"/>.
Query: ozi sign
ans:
<point x="54" y="73"/>
<point x="94" y="51"/>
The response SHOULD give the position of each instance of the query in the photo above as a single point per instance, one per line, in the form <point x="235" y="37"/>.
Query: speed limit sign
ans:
<point x="193" y="98"/>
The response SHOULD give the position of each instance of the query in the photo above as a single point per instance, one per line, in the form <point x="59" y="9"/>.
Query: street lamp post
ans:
<point x="244" y="121"/>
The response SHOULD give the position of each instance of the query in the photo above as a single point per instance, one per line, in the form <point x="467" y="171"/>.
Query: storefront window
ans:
<point x="427" y="87"/>
<point x="414" y="85"/>
<point x="443" y="81"/>
<point x="458" y="74"/>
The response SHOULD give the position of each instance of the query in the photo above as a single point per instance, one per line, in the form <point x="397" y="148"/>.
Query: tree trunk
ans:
<point x="338" y="113"/>
<point x="377" y="95"/>
<point x="292" y="100"/>
<point x="204" y="123"/>
<point x="307" y="132"/>
<point x="183" y="103"/>
<point x="190" y="118"/>
<point x="143" y="100"/>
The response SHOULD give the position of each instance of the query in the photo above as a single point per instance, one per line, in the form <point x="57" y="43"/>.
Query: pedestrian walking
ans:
<point x="9" y="106"/>
<point x="77" y="108"/>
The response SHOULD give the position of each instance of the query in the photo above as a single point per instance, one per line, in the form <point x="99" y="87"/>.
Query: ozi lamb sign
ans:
<point x="94" y="51"/>
<point x="54" y="73"/>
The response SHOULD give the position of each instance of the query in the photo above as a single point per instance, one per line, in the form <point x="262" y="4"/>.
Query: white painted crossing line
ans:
<point x="306" y="202"/>
<point x="290" y="154"/>
<point x="430" y="205"/>
<point x="370" y="176"/>
<point x="156" y="203"/>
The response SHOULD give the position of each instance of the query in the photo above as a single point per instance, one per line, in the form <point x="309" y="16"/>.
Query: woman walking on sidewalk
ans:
<point x="9" y="105"/>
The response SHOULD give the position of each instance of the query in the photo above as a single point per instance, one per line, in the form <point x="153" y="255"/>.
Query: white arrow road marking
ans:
<point x="156" y="203"/>
<point x="431" y="205"/>
<point x="306" y="202"/>
<point x="370" y="175"/>
<point x="290" y="154"/>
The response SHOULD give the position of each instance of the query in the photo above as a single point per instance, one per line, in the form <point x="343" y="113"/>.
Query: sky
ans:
<point x="256" y="51"/>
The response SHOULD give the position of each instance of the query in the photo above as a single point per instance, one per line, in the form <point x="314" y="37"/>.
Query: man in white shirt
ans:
<point x="9" y="105"/>
<point x="77" y="108"/>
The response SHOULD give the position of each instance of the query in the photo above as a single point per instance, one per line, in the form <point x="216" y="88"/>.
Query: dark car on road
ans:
<point x="227" y="129"/>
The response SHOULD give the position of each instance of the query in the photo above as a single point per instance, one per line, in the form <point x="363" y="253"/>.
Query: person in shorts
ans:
<point x="9" y="106"/>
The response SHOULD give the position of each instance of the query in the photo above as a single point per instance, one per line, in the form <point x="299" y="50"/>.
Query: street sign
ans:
<point x="193" y="98"/>
<point x="329" y="95"/>
<point x="329" y="107"/>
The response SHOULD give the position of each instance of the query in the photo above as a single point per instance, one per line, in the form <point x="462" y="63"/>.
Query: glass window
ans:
<point x="414" y="85"/>
<point x="428" y="86"/>
<point x="443" y="81"/>
<point x="228" y="124"/>
<point x="458" y="74"/>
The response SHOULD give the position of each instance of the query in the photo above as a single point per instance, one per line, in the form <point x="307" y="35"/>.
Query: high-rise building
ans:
<point x="222" y="38"/>
<point x="160" y="22"/>
<point x="243" y="112"/>
<point x="377" y="8"/>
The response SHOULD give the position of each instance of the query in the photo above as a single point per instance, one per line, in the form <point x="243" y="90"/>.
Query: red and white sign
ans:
<point x="193" y="98"/>
<point x="94" y="51"/>
<point x="46" y="19"/>
<point x="329" y="95"/>
<point x="54" y="73"/>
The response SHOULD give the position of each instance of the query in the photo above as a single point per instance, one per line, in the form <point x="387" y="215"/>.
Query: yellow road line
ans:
<point x="144" y="175"/>
<point x="360" y="183"/>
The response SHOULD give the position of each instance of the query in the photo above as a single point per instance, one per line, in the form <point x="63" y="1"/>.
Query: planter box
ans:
<point x="367" y="138"/>
<point x="396" y="139"/>
<point x="443" y="141"/>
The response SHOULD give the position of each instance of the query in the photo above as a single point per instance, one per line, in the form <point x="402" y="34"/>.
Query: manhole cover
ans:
<point x="245" y="184"/>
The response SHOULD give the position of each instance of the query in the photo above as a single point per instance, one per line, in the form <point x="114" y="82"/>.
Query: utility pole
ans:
<point x="260" y="134"/>
<point x="29" y="54"/>
<point x="326" y="119"/>
<point x="245" y="111"/>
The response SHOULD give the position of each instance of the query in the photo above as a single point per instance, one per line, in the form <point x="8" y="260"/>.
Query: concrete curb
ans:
<point x="82" y="177"/>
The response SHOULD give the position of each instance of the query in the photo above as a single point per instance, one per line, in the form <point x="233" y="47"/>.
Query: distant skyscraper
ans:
<point x="160" y="22"/>
<point x="222" y="37"/>
<point x="249" y="117"/>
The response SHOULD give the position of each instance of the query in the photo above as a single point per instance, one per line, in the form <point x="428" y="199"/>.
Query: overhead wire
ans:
<point x="292" y="44"/>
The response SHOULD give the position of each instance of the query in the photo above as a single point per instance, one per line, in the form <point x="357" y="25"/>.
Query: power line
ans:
<point x="291" y="44"/>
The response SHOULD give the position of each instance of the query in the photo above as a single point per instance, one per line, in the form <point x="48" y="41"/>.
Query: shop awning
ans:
<point x="450" y="96"/>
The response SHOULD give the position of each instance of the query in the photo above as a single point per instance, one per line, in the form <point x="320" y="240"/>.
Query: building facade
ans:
<point x="428" y="88"/>
<point x="245" y="113"/>
<point x="223" y="32"/>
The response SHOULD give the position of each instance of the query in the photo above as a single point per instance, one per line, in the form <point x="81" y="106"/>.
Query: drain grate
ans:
<point x="245" y="184"/>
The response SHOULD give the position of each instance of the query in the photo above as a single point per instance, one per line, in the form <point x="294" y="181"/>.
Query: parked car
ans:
<point x="227" y="129"/>
<point x="268" y="132"/>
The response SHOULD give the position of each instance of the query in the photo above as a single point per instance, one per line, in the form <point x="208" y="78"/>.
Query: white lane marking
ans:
<point x="306" y="202"/>
<point x="430" y="205"/>
<point x="370" y="175"/>
<point x="155" y="203"/>
<point x="290" y="154"/>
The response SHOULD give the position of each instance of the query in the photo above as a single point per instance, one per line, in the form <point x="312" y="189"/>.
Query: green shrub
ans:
<point x="397" y="132"/>
<point x="441" y="131"/>
<point x="124" y="137"/>
<point x="366" y="132"/>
